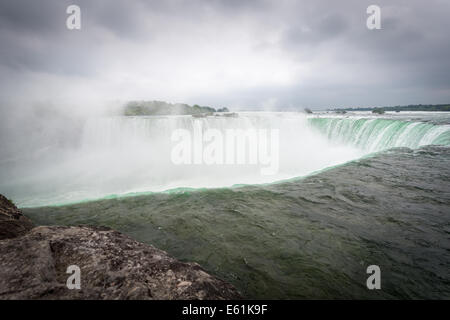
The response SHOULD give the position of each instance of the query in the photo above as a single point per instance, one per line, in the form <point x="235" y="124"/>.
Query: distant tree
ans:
<point x="378" y="110"/>
<point x="146" y="108"/>
<point x="411" y="107"/>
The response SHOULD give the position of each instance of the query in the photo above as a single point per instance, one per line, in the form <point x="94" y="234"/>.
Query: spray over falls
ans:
<point x="127" y="155"/>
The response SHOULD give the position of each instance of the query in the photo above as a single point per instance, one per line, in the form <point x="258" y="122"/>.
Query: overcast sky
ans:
<point x="236" y="53"/>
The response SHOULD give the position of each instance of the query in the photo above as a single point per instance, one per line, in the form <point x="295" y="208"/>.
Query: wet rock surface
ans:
<point x="34" y="264"/>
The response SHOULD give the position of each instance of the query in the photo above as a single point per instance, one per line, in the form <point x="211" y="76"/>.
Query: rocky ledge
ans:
<point x="34" y="262"/>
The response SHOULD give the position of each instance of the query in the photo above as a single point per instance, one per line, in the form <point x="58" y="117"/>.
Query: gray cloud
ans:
<point x="240" y="53"/>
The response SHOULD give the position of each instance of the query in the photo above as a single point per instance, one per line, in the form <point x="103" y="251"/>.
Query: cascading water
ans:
<point x="379" y="134"/>
<point x="122" y="155"/>
<point x="302" y="238"/>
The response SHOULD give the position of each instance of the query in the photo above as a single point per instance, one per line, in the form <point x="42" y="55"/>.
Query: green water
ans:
<point x="299" y="238"/>
<point x="309" y="238"/>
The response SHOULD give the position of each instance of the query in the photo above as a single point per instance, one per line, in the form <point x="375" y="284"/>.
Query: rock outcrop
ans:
<point x="12" y="222"/>
<point x="34" y="263"/>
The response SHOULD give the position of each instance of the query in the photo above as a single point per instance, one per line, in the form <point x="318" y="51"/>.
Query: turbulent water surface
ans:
<point x="306" y="232"/>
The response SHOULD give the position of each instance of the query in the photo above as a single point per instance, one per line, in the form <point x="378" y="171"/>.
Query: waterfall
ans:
<point x="127" y="155"/>
<point x="379" y="134"/>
